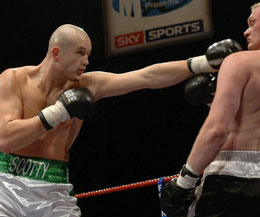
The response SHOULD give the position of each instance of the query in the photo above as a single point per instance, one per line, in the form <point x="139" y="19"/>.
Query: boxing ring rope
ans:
<point x="123" y="187"/>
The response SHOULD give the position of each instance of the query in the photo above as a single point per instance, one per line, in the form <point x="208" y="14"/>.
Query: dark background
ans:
<point x="138" y="136"/>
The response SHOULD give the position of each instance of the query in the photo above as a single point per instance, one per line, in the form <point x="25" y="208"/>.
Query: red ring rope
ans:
<point x="123" y="187"/>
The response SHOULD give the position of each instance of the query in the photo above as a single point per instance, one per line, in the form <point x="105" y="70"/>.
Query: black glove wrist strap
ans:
<point x="185" y="171"/>
<point x="189" y="65"/>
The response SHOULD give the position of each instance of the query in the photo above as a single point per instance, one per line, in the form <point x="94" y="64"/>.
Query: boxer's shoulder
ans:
<point x="19" y="73"/>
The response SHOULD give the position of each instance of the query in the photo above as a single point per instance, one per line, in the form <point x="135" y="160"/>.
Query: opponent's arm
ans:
<point x="232" y="78"/>
<point x="159" y="75"/>
<point x="177" y="195"/>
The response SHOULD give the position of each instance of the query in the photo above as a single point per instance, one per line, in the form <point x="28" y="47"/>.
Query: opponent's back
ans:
<point x="244" y="130"/>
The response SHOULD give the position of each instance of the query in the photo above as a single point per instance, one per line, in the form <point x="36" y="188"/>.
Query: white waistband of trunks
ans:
<point x="236" y="163"/>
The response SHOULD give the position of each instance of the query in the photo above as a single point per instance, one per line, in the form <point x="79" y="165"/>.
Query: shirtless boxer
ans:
<point x="43" y="108"/>
<point x="227" y="147"/>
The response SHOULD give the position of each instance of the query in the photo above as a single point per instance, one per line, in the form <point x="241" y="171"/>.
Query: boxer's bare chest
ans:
<point x="34" y="98"/>
<point x="33" y="101"/>
<point x="54" y="144"/>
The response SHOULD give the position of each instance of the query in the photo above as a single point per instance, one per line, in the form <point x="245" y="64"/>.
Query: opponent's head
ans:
<point x="252" y="34"/>
<point x="69" y="48"/>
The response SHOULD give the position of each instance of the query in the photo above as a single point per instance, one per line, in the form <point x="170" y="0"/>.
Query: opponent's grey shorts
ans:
<point x="35" y="187"/>
<point x="230" y="186"/>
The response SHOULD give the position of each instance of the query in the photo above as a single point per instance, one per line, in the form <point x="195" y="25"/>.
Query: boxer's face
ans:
<point x="252" y="34"/>
<point x="75" y="58"/>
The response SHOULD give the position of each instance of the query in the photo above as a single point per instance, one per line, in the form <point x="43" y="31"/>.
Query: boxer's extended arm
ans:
<point x="214" y="56"/>
<point x="159" y="75"/>
<point x="105" y="84"/>
<point x="15" y="133"/>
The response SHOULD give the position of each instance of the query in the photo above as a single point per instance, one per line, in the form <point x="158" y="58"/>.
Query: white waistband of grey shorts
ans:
<point x="236" y="163"/>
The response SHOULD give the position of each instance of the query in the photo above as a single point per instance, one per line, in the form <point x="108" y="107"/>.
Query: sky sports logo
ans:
<point x="129" y="39"/>
<point x="146" y="8"/>
<point x="160" y="33"/>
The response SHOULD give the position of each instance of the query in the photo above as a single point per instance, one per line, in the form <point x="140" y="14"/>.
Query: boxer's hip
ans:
<point x="34" y="168"/>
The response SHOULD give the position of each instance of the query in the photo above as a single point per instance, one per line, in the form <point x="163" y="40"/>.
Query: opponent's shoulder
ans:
<point x="243" y="61"/>
<point x="242" y="58"/>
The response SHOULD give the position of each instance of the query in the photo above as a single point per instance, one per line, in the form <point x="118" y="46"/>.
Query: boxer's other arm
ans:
<point x="77" y="102"/>
<point x="15" y="133"/>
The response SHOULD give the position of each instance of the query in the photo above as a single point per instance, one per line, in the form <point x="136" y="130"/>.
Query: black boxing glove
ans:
<point x="200" y="89"/>
<point x="176" y="198"/>
<point x="71" y="103"/>
<point x="215" y="54"/>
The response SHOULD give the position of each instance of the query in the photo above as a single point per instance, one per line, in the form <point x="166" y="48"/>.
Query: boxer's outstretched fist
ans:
<point x="214" y="56"/>
<point x="71" y="103"/>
